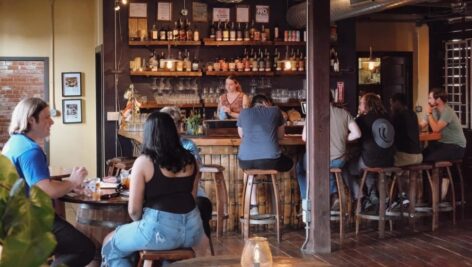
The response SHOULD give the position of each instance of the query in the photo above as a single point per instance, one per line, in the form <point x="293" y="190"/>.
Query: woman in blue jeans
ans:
<point x="162" y="205"/>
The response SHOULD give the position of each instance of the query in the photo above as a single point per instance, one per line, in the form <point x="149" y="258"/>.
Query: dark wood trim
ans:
<point x="319" y="237"/>
<point x="100" y="110"/>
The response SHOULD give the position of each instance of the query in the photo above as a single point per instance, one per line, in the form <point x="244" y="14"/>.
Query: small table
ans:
<point x="235" y="261"/>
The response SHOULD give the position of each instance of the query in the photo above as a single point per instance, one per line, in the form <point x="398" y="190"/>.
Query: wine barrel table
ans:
<point x="97" y="218"/>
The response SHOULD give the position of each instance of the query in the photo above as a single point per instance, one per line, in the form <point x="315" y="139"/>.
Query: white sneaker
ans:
<point x="253" y="211"/>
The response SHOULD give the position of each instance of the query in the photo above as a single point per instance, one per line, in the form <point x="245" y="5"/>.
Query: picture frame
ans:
<point x="262" y="13"/>
<point x="221" y="14"/>
<point x="138" y="10"/>
<point x="71" y="111"/>
<point x="71" y="84"/>
<point x="199" y="12"/>
<point x="242" y="13"/>
<point x="164" y="11"/>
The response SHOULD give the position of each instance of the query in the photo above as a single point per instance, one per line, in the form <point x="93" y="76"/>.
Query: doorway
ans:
<point x="392" y="75"/>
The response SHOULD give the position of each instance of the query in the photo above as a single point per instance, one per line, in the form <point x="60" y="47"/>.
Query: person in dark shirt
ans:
<point x="407" y="133"/>
<point x="162" y="195"/>
<point x="376" y="146"/>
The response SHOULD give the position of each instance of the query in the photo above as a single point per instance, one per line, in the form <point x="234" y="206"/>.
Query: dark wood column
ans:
<point x="319" y="239"/>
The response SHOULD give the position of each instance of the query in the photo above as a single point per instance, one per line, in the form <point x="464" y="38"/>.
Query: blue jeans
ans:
<point x="157" y="230"/>
<point x="301" y="175"/>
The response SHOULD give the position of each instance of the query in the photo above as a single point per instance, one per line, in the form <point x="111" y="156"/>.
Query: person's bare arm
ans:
<point x="57" y="189"/>
<point x="354" y="131"/>
<point x="142" y="170"/>
<point x="435" y="125"/>
<point x="240" y="132"/>
<point x="281" y="131"/>
<point x="304" y="133"/>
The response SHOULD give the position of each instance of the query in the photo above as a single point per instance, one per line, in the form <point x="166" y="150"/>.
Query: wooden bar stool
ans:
<point x="382" y="198"/>
<point x="250" y="178"/>
<point x="458" y="164"/>
<point x="218" y="178"/>
<point x="147" y="257"/>
<point x="415" y="172"/>
<point x="435" y="182"/>
<point x="344" y="203"/>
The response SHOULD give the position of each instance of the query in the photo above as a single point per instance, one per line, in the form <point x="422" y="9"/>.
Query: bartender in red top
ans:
<point x="231" y="103"/>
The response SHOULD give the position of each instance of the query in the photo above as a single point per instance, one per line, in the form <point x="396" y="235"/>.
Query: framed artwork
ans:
<point x="71" y="84"/>
<point x="262" y="14"/>
<point x="242" y="13"/>
<point x="199" y="12"/>
<point x="220" y="14"/>
<point x="138" y="10"/>
<point x="71" y="111"/>
<point x="164" y="11"/>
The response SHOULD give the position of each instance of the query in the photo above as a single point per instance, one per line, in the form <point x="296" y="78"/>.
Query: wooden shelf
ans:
<point x="288" y="104"/>
<point x="167" y="73"/>
<point x="154" y="105"/>
<point x="239" y="73"/>
<point x="211" y="105"/>
<point x="211" y="42"/>
<point x="289" y="43"/>
<point x="290" y="73"/>
<point x="165" y="43"/>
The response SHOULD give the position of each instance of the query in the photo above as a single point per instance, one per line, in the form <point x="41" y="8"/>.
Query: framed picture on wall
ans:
<point x="164" y="11"/>
<point x="262" y="14"/>
<point x="71" y="84"/>
<point x="71" y="111"/>
<point x="199" y="12"/>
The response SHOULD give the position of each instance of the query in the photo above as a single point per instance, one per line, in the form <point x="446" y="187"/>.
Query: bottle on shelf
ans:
<point x="268" y="64"/>
<point x="275" y="63"/>
<point x="225" y="32"/>
<point x="196" y="34"/>
<point x="170" y="34"/>
<point x="175" y="31"/>
<point x="162" y="34"/>
<point x="301" y="62"/>
<point x="252" y="30"/>
<point x="162" y="63"/>
<point x="182" y="31"/>
<point x="154" y="32"/>
<point x="219" y="32"/>
<point x="232" y="32"/>
<point x="179" y="65"/>
<point x="212" y="31"/>
<point x="247" y="35"/>
<point x="195" y="63"/>
<point x="257" y="35"/>
<point x="263" y="34"/>
<point x="276" y="32"/>
<point x="239" y="33"/>
<point x="189" y="32"/>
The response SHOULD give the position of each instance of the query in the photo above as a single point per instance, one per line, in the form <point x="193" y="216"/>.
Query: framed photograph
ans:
<point x="242" y="13"/>
<point x="262" y="14"/>
<point x="138" y="10"/>
<point x="164" y="11"/>
<point x="71" y="84"/>
<point x="199" y="12"/>
<point x="220" y="14"/>
<point x="71" y="111"/>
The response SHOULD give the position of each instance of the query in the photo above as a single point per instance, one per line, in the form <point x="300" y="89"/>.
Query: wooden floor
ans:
<point x="449" y="246"/>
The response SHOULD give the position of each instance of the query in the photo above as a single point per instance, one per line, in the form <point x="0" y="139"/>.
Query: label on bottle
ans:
<point x="154" y="35"/>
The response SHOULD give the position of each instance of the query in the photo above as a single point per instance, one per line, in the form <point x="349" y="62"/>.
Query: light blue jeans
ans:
<point x="157" y="230"/>
<point x="301" y="175"/>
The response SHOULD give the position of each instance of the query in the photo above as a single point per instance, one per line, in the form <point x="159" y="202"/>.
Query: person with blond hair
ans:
<point x="231" y="103"/>
<point x="30" y="125"/>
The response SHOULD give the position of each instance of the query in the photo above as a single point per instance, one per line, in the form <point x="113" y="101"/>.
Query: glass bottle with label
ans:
<point x="212" y="32"/>
<point x="239" y="33"/>
<point x="219" y="32"/>
<point x="154" y="32"/>
<point x="175" y="31"/>
<point x="247" y="35"/>
<point x="170" y="34"/>
<point x="226" y="32"/>
<point x="196" y="34"/>
<point x="182" y="31"/>
<point x="195" y="64"/>
<point x="232" y="32"/>
<point x="162" y="34"/>
<point x="189" y="36"/>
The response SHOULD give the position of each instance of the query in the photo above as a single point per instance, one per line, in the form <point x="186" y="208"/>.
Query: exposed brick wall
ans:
<point x="18" y="79"/>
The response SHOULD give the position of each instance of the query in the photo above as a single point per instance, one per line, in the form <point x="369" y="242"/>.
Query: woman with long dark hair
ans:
<point x="162" y="205"/>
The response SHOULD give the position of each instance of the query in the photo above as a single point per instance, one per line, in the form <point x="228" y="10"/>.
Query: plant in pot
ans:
<point x="193" y="124"/>
<point x="26" y="222"/>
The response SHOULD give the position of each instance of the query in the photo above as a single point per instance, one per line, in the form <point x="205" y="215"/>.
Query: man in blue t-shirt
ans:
<point x="30" y="125"/>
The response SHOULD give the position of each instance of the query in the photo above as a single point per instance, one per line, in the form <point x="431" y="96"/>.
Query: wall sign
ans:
<point x="242" y="13"/>
<point x="220" y="14"/>
<point x="262" y="14"/>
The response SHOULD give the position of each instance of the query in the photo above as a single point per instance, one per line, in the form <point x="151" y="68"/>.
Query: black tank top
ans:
<point x="170" y="194"/>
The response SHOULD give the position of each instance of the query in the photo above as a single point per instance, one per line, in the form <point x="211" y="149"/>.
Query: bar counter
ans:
<point x="223" y="151"/>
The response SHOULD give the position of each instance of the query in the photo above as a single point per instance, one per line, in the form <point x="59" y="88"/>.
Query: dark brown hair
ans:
<point x="374" y="104"/>
<point x="439" y="93"/>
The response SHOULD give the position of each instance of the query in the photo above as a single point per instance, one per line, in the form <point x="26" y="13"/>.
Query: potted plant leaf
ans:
<point x="26" y="222"/>
<point x="193" y="124"/>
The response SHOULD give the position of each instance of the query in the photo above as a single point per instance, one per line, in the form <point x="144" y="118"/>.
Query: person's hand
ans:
<point x="226" y="109"/>
<point x="77" y="176"/>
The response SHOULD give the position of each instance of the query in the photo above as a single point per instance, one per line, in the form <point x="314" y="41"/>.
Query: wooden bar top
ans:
<point x="288" y="140"/>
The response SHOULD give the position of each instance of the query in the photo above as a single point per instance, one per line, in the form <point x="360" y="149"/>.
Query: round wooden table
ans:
<point x="235" y="261"/>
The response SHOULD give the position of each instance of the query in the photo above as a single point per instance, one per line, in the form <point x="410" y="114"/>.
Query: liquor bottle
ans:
<point x="195" y="64"/>
<point x="232" y="32"/>
<point x="196" y="34"/>
<point x="247" y="35"/>
<point x="256" y="35"/>
<point x="187" y="61"/>
<point x="261" y="61"/>
<point x="182" y="31"/>
<point x="263" y="34"/>
<point x="162" y="34"/>
<point x="154" y="32"/>
<point x="180" y="62"/>
<point x="189" y="36"/>
<point x="219" y="32"/>
<point x="162" y="63"/>
<point x="170" y="34"/>
<point x="226" y="32"/>
<point x="276" y="33"/>
<point x="336" y="62"/>
<point x="276" y="65"/>
<point x="175" y="31"/>
<point x="239" y="33"/>
<point x="301" y="62"/>
<point x="268" y="64"/>
<point x="252" y="30"/>
<point x="212" y="32"/>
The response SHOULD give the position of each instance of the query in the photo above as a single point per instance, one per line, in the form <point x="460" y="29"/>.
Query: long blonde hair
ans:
<point x="26" y="109"/>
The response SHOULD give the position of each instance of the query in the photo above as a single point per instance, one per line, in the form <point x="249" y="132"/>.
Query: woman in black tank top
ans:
<point x="162" y="205"/>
